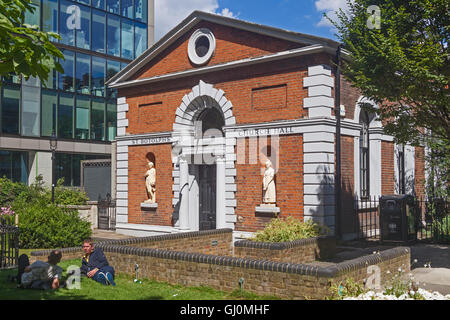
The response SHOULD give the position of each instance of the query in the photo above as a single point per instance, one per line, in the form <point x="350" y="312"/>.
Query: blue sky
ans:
<point x="305" y="16"/>
<point x="294" y="15"/>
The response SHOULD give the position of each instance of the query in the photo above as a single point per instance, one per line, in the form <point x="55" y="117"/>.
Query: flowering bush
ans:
<point x="420" y="294"/>
<point x="6" y="211"/>
<point x="400" y="287"/>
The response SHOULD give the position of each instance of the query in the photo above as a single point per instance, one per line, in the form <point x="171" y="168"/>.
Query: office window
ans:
<point x="49" y="104"/>
<point x="98" y="76"/>
<point x="83" y="67"/>
<point x="140" y="9"/>
<point x="33" y="18"/>
<point x="82" y="118"/>
<point x="14" y="165"/>
<point x="127" y="39"/>
<point x="140" y="39"/>
<point x="63" y="168"/>
<point x="113" y="6"/>
<point x="65" y="116"/>
<point x="84" y="32"/>
<point x="50" y="16"/>
<point x="112" y="68"/>
<point x="31" y="93"/>
<point x="98" y="119"/>
<point x="67" y="78"/>
<point x="98" y="4"/>
<point x="10" y="109"/>
<point x="113" y="32"/>
<point x="111" y="120"/>
<point x="98" y="31"/>
<point x="51" y="81"/>
<point x="68" y="22"/>
<point x="127" y="8"/>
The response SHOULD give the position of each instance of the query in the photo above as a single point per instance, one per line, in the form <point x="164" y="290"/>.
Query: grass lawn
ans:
<point x="125" y="289"/>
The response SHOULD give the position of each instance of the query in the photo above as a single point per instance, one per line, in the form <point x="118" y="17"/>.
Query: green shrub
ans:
<point x="69" y="196"/>
<point x="10" y="190"/>
<point x="345" y="289"/>
<point x="45" y="225"/>
<point x="290" y="229"/>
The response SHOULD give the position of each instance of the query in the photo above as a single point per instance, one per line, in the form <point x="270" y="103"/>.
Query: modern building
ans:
<point x="217" y="97"/>
<point x="98" y="39"/>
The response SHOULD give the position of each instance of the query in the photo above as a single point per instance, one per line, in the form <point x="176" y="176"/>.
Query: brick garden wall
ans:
<point x="284" y="279"/>
<point x="299" y="251"/>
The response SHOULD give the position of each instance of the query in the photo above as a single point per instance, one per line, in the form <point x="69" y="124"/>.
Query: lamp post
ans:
<point x="53" y="146"/>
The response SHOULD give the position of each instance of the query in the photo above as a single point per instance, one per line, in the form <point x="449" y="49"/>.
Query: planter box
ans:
<point x="298" y="251"/>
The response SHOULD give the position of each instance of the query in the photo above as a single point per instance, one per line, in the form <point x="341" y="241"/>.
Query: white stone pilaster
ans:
<point x="184" y="195"/>
<point x="220" y="193"/>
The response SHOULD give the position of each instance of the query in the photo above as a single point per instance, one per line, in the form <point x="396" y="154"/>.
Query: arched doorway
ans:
<point x="200" y="172"/>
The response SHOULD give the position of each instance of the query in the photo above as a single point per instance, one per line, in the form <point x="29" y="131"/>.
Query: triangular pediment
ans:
<point x="235" y="41"/>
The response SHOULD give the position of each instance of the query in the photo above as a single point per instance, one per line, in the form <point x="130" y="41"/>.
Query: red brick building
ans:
<point x="215" y="98"/>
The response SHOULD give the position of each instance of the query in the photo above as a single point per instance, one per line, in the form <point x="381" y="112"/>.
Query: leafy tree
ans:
<point x="24" y="49"/>
<point x="403" y="65"/>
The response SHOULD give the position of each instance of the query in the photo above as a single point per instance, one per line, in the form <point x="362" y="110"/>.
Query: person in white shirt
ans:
<point x="43" y="275"/>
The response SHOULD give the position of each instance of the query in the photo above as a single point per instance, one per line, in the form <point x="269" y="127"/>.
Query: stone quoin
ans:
<point x="216" y="98"/>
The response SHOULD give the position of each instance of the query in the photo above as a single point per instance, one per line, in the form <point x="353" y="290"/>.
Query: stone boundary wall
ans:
<point x="298" y="251"/>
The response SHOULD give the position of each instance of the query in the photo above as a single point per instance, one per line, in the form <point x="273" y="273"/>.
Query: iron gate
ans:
<point x="106" y="213"/>
<point x="9" y="246"/>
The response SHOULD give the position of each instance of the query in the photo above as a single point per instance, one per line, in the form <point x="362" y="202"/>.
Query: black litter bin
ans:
<point x="398" y="218"/>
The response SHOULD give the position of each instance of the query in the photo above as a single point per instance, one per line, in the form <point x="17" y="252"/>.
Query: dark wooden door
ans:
<point x="207" y="199"/>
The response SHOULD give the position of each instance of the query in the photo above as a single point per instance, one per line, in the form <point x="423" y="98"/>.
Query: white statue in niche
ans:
<point x="150" y="183"/>
<point x="269" y="193"/>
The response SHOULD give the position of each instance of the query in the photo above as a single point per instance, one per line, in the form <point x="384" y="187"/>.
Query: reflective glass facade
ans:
<point x="98" y="39"/>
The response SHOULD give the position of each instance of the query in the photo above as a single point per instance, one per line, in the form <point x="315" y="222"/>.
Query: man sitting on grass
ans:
<point x="94" y="264"/>
<point x="40" y="274"/>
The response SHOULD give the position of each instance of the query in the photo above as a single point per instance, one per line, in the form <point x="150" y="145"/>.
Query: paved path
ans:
<point x="107" y="235"/>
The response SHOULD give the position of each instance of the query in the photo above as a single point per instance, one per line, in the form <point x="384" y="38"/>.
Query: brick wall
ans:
<point x="217" y="242"/>
<point x="387" y="168"/>
<point x="298" y="251"/>
<point x="231" y="44"/>
<point x="419" y="171"/>
<point x="223" y="272"/>
<point x="288" y="182"/>
<point x="347" y="181"/>
<point x="285" y="280"/>
<point x="137" y="192"/>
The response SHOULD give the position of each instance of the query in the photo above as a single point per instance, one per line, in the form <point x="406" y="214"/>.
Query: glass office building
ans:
<point x="98" y="38"/>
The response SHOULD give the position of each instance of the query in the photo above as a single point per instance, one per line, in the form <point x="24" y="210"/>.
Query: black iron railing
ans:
<point x="9" y="244"/>
<point x="367" y="217"/>
<point x="432" y="218"/>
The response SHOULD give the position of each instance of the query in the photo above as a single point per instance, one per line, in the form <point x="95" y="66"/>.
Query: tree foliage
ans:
<point x="24" y="49"/>
<point x="403" y="66"/>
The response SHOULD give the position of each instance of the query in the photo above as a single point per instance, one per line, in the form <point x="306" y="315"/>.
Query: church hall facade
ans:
<point x="221" y="106"/>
